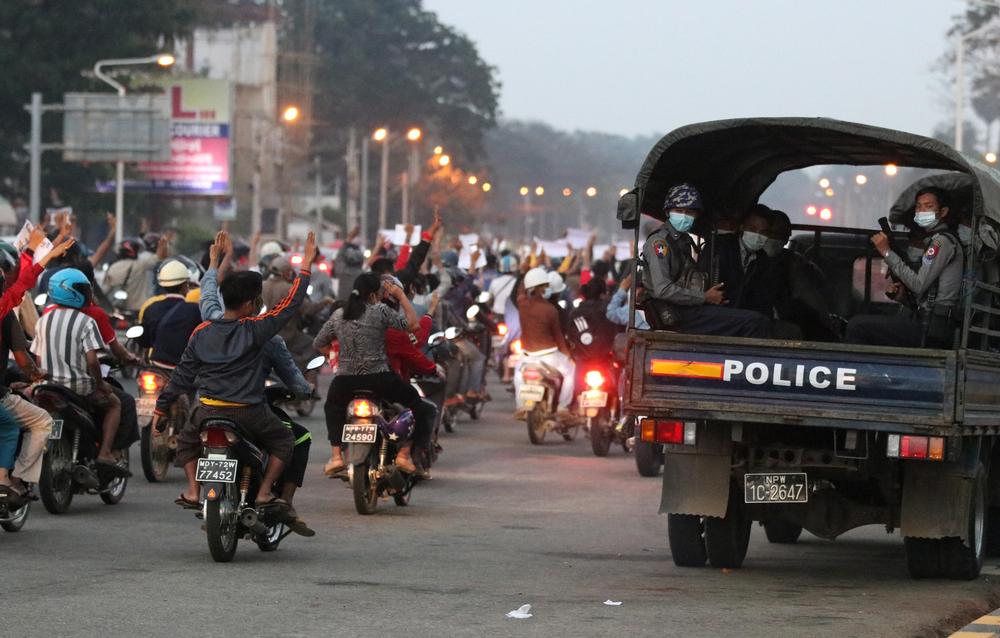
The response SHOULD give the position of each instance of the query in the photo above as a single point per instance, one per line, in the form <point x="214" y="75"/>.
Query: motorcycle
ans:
<point x="12" y="515"/>
<point x="230" y="470"/>
<point x="475" y="333"/>
<point x="599" y="405"/>
<point x="372" y="433"/>
<point x="539" y="396"/>
<point x="70" y="464"/>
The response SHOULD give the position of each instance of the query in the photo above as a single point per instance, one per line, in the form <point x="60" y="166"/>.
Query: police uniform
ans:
<point x="936" y="285"/>
<point x="675" y="286"/>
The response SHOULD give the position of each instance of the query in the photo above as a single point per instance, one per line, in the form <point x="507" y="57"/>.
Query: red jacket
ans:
<point x="26" y="280"/>
<point x="405" y="357"/>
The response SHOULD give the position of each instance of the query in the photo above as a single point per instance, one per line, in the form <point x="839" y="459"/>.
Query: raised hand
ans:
<point x="56" y="252"/>
<point x="309" y="252"/>
<point x="36" y="238"/>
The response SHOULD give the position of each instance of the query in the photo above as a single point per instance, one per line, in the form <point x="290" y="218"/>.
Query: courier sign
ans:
<point x="758" y="373"/>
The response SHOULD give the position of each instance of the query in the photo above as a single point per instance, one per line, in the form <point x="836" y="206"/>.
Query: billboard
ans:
<point x="200" y="144"/>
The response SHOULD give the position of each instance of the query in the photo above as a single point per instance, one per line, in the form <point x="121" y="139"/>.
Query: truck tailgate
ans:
<point x="692" y="376"/>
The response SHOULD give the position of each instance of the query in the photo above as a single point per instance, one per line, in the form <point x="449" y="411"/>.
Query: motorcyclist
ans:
<point x="276" y="359"/>
<point x="68" y="343"/>
<point x="502" y="285"/>
<point x="174" y="278"/>
<point x="224" y="361"/>
<point x="360" y="329"/>
<point x="133" y="271"/>
<point x="542" y="336"/>
<point x="36" y="422"/>
<point x="276" y="287"/>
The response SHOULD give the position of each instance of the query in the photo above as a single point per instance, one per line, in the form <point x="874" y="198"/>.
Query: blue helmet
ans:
<point x="69" y="287"/>
<point x="449" y="258"/>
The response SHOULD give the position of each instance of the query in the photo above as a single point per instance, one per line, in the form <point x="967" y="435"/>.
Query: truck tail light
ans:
<point x="907" y="446"/>
<point x="662" y="431"/>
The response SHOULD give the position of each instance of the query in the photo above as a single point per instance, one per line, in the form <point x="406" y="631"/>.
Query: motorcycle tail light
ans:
<point x="516" y="346"/>
<point x="149" y="383"/>
<point x="362" y="408"/>
<point x="218" y="437"/>
<point x="594" y="379"/>
<point x="532" y="374"/>
<point x="502" y="329"/>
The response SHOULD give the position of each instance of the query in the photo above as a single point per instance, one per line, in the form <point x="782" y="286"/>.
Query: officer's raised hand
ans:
<point x="881" y="243"/>
<point x="715" y="295"/>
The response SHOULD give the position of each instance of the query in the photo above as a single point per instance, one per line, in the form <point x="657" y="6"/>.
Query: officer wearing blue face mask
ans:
<point x="675" y="282"/>
<point x="936" y="283"/>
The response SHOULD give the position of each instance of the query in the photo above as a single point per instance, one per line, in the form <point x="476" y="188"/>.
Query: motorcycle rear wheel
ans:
<point x="115" y="491"/>
<point x="448" y="420"/>
<point x="365" y="492"/>
<point x="55" y="487"/>
<point x="536" y="425"/>
<point x="600" y="437"/>
<point x="155" y="459"/>
<point x="221" y="526"/>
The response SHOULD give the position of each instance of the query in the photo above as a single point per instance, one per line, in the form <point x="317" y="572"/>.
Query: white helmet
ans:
<point x="173" y="273"/>
<point x="270" y="249"/>
<point x="556" y="283"/>
<point x="536" y="277"/>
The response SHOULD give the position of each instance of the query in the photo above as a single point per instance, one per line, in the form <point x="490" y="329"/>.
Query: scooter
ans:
<point x="539" y="398"/>
<point x="70" y="466"/>
<point x="373" y="433"/>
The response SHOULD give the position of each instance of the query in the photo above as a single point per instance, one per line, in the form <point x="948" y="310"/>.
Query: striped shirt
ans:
<point x="63" y="338"/>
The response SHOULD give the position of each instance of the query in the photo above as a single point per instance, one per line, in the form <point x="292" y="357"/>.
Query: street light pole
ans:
<point x="383" y="191"/>
<point x="162" y="60"/>
<point x="364" y="190"/>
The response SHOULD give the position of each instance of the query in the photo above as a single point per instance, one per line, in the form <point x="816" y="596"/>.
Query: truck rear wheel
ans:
<point x="727" y="539"/>
<point x="686" y="535"/>
<point x="952" y="557"/>
<point x="782" y="532"/>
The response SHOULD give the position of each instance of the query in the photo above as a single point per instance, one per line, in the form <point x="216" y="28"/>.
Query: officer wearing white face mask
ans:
<point x="675" y="282"/>
<point x="936" y="284"/>
<point x="743" y="266"/>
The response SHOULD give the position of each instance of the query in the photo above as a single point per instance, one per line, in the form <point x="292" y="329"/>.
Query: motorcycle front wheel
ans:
<point x="365" y="490"/>
<point x="55" y="487"/>
<point x="154" y="454"/>
<point x="221" y="523"/>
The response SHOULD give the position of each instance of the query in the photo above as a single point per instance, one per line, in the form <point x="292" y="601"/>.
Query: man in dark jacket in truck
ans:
<point x="675" y="283"/>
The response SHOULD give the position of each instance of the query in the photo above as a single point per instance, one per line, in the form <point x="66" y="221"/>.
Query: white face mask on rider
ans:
<point x="753" y="241"/>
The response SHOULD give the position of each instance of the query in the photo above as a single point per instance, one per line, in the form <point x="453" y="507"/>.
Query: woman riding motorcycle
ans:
<point x="363" y="365"/>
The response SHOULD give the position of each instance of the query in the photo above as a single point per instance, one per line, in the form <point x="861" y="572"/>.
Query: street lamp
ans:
<point x="891" y="170"/>
<point x="591" y="191"/>
<point x="438" y="150"/>
<point x="567" y="192"/>
<point x="380" y="134"/>
<point x="414" y="134"/>
<point x="539" y="191"/>
<point x="444" y="160"/>
<point x="487" y="187"/>
<point x="824" y="183"/>
<point x="991" y="157"/>
<point x="164" y="60"/>
<point x="523" y="191"/>
<point x="291" y="114"/>
<point x="473" y="180"/>
<point x="861" y="180"/>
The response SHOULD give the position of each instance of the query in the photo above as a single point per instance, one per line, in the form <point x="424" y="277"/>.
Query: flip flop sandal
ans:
<point x="275" y="502"/>
<point x="186" y="504"/>
<point x="334" y="471"/>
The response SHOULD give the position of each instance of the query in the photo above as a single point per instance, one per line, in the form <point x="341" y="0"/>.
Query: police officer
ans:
<point x="675" y="283"/>
<point x="936" y="285"/>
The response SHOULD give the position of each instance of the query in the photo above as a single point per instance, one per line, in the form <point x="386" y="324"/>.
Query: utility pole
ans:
<point x="319" y="201"/>
<point x="352" y="180"/>
<point x="383" y="191"/>
<point x="364" y="189"/>
<point x="35" y="151"/>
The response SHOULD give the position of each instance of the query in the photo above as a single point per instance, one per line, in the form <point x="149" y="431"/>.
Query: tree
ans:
<point x="45" y="45"/>
<point x="390" y="63"/>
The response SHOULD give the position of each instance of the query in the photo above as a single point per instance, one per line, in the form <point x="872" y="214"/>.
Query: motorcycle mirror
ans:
<point x="577" y="303"/>
<point x="484" y="297"/>
<point x="121" y="295"/>
<point x="472" y="313"/>
<point x="309" y="290"/>
<point x="135" y="332"/>
<point x="562" y="304"/>
<point x="451" y="333"/>
<point x="434" y="338"/>
<point x="315" y="363"/>
<point x="41" y="298"/>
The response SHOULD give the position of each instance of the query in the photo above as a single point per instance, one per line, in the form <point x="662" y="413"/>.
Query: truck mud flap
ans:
<point x="935" y="501"/>
<point x="696" y="484"/>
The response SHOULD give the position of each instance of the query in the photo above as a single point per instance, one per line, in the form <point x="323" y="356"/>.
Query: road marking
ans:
<point x="987" y="626"/>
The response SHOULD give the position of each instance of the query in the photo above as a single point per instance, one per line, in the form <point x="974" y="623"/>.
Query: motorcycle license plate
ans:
<point x="513" y="360"/>
<point x="216" y="471"/>
<point x="144" y="407"/>
<point x="56" y="433"/>
<point x="360" y="433"/>
<point x="531" y="393"/>
<point x="593" y="399"/>
<point x="776" y="488"/>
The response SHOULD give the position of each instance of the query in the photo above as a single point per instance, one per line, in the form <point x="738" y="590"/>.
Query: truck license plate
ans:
<point x="531" y="392"/>
<point x="360" y="433"/>
<point x="216" y="471"/>
<point x="776" y="488"/>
